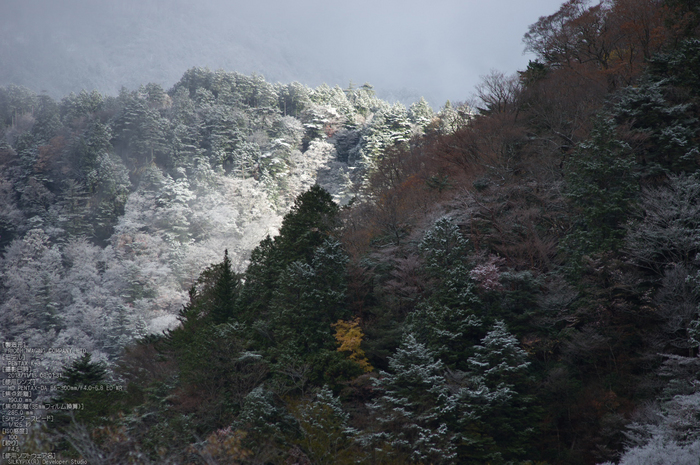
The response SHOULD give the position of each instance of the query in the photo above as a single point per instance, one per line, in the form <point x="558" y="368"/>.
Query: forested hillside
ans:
<point x="111" y="207"/>
<point x="516" y="281"/>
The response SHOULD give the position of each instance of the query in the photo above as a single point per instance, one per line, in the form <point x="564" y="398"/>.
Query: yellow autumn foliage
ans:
<point x="349" y="336"/>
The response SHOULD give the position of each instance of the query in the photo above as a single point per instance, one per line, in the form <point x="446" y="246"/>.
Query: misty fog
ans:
<point x="437" y="49"/>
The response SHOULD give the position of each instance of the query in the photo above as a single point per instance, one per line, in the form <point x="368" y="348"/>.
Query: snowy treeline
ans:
<point x="111" y="207"/>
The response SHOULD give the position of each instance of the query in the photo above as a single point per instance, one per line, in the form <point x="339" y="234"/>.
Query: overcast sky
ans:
<point x="438" y="49"/>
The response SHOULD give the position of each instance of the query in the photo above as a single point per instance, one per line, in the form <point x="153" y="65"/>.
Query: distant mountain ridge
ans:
<point x="79" y="45"/>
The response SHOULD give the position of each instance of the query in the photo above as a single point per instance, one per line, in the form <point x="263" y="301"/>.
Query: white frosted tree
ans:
<point x="97" y="305"/>
<point x="667" y="227"/>
<point x="12" y="220"/>
<point x="452" y="118"/>
<point x="30" y="272"/>
<point x="664" y="238"/>
<point x="388" y="127"/>
<point x="658" y="452"/>
<point x="499" y="360"/>
<point x="414" y="393"/>
<point x="447" y="319"/>
<point x="293" y="98"/>
<point x="420" y="114"/>
<point x="443" y="246"/>
<point x="493" y="414"/>
<point x="671" y="434"/>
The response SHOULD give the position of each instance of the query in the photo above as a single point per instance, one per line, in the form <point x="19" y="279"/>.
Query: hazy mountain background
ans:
<point x="405" y="50"/>
<point x="512" y="280"/>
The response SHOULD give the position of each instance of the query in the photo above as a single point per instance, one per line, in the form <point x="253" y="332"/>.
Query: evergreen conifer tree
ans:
<point x="411" y="408"/>
<point x="601" y="185"/>
<point x="83" y="371"/>
<point x="310" y="221"/>
<point x="447" y="320"/>
<point x="224" y="292"/>
<point x="494" y="416"/>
